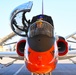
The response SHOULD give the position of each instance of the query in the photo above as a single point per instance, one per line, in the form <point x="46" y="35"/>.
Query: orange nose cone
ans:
<point x="41" y="62"/>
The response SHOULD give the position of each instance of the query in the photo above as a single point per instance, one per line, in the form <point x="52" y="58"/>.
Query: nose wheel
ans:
<point x="42" y="74"/>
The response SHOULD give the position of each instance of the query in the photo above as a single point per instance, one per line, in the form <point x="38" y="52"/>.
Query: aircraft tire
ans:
<point x="41" y="74"/>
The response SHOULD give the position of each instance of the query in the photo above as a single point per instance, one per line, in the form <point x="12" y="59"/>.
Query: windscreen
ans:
<point x="41" y="27"/>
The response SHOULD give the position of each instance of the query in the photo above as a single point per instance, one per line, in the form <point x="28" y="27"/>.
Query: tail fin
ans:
<point x="42" y="8"/>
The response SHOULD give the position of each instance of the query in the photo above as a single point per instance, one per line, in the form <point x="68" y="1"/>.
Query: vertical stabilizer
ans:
<point x="42" y="8"/>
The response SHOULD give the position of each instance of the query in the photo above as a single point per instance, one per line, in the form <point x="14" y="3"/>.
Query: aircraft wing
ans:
<point x="69" y="55"/>
<point x="15" y="55"/>
<point x="10" y="54"/>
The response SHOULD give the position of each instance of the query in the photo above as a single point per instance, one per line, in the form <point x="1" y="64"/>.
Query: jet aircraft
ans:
<point x="40" y="47"/>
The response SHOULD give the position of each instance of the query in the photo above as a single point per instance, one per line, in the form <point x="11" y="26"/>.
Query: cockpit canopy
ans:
<point x="43" y="17"/>
<point x="41" y="27"/>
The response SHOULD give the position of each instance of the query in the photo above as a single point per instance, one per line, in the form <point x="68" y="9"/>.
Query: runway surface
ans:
<point x="64" y="67"/>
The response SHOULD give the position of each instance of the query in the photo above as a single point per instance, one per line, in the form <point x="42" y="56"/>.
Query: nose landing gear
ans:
<point x="42" y="74"/>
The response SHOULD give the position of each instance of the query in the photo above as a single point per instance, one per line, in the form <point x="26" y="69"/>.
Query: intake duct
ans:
<point x="62" y="46"/>
<point x="21" y="47"/>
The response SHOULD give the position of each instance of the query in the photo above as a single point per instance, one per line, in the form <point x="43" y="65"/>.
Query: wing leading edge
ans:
<point x="70" y="54"/>
<point x="11" y="55"/>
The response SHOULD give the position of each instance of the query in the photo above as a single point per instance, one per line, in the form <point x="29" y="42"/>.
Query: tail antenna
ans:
<point x="42" y="8"/>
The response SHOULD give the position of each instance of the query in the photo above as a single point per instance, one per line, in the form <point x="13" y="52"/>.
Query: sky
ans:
<point x="63" y="13"/>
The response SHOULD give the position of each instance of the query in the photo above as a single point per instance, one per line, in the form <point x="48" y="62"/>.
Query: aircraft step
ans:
<point x="41" y="74"/>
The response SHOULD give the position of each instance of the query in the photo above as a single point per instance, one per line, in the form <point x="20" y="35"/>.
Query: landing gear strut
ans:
<point x="42" y="74"/>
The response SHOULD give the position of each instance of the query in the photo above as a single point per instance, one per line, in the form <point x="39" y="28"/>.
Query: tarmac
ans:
<point x="64" y="67"/>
